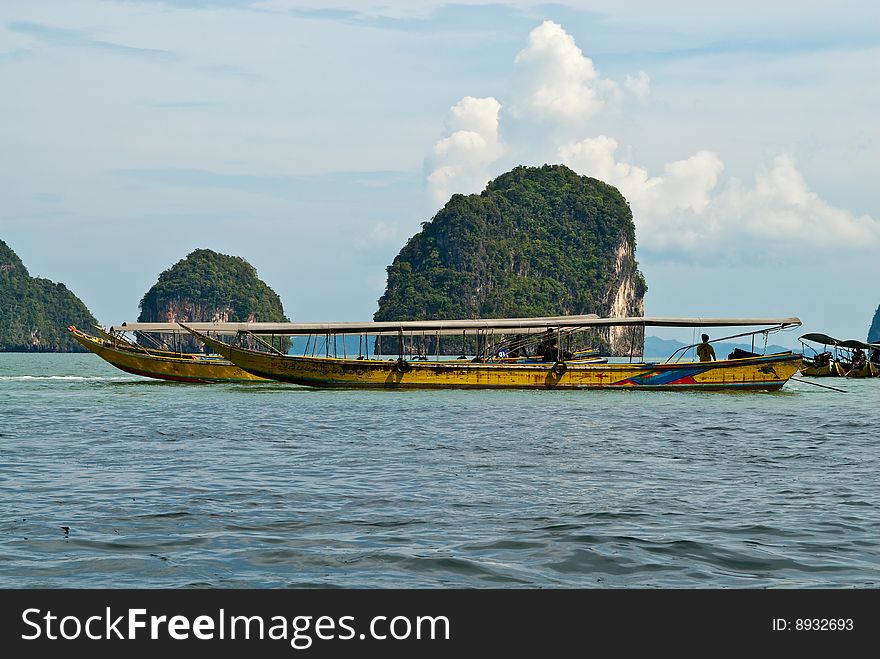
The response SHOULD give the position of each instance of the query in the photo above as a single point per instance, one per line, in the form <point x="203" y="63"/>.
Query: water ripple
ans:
<point x="108" y="480"/>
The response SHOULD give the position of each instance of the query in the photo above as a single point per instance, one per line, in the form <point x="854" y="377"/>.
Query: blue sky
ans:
<point x="312" y="139"/>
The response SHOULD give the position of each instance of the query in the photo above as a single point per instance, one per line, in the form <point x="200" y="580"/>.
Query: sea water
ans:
<point x="112" y="480"/>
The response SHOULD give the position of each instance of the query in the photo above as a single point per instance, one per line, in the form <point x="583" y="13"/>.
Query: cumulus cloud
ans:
<point x="685" y="210"/>
<point x="558" y="82"/>
<point x="685" y="184"/>
<point x="780" y="206"/>
<point x="658" y="202"/>
<point x="555" y="84"/>
<point x="460" y="160"/>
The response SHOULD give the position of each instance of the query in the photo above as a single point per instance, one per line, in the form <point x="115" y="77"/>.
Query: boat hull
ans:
<point x="195" y="369"/>
<point x="766" y="373"/>
<point x="869" y="370"/>
<point x="832" y="370"/>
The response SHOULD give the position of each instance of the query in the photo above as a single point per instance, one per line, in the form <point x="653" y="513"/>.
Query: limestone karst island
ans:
<point x="538" y="241"/>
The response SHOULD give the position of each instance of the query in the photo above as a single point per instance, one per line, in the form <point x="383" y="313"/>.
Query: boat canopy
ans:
<point x="447" y="327"/>
<point x="853" y="344"/>
<point x="824" y="339"/>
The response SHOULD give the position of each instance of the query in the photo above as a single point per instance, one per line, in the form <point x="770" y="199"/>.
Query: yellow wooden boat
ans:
<point x="757" y="372"/>
<point x="864" y="371"/>
<point x="824" y="364"/>
<point x="859" y="366"/>
<point x="832" y="369"/>
<point x="849" y="358"/>
<point x="160" y="364"/>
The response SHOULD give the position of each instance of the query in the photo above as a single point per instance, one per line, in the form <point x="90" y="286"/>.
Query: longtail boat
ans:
<point x="859" y="364"/>
<point x="159" y="364"/>
<point x="849" y="358"/>
<point x="558" y="370"/>
<point x="821" y="364"/>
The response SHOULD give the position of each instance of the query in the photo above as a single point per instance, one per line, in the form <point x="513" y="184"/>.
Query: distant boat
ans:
<point x="555" y="369"/>
<point x="859" y="364"/>
<point x="848" y="358"/>
<point x="821" y="364"/>
<point x="134" y="358"/>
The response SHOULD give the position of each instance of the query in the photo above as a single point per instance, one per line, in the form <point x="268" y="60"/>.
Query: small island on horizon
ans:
<point x="35" y="312"/>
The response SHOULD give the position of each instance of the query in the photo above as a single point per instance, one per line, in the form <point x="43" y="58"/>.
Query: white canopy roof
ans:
<point x="501" y="325"/>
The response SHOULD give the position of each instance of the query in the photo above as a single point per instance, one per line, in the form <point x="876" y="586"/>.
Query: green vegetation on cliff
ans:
<point x="874" y="332"/>
<point x="207" y="286"/>
<point x="35" y="312"/>
<point x="538" y="241"/>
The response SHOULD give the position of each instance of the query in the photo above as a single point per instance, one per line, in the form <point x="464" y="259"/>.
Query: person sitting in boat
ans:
<point x="858" y="359"/>
<point x="822" y="359"/>
<point x="548" y="347"/>
<point x="549" y="351"/>
<point x="875" y="356"/>
<point x="705" y="351"/>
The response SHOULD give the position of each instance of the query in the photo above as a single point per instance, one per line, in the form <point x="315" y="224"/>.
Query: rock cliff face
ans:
<point x="210" y="287"/>
<point x="35" y="312"/>
<point x="627" y="298"/>
<point x="538" y="241"/>
<point x="874" y="331"/>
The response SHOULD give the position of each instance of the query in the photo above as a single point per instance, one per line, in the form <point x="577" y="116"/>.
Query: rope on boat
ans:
<point x="816" y="384"/>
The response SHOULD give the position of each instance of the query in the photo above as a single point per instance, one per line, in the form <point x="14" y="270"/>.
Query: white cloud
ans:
<point x="681" y="212"/>
<point x="479" y="115"/>
<point x="685" y="210"/>
<point x="556" y="85"/>
<point x="685" y="185"/>
<point x="781" y="207"/>
<point x="558" y="82"/>
<point x="659" y="203"/>
<point x="460" y="161"/>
